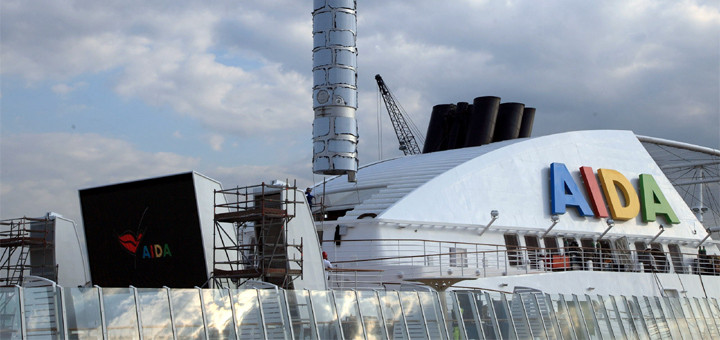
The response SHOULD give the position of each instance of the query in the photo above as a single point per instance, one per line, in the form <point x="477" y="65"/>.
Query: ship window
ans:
<point x="677" y="258"/>
<point x="661" y="261"/>
<point x="458" y="257"/>
<point x="551" y="246"/>
<point x="533" y="250"/>
<point x="511" y="243"/>
<point x="608" y="262"/>
<point x="589" y="253"/>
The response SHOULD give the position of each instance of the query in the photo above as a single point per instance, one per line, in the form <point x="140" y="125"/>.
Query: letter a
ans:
<point x="167" y="252"/>
<point x="564" y="191"/>
<point x="146" y="253"/>
<point x="654" y="202"/>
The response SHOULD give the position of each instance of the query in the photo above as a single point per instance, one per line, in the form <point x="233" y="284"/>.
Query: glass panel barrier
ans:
<point x="563" y="317"/>
<point x="660" y="319"/>
<point x="301" y="314"/>
<point x="588" y="315"/>
<point x="348" y="314"/>
<point x="83" y="313"/>
<point x="616" y="325"/>
<point x="467" y="314"/>
<point x="275" y="314"/>
<point x="648" y="317"/>
<point x="371" y="315"/>
<point x="689" y="317"/>
<point x="41" y="311"/>
<point x="248" y="323"/>
<point x="551" y="323"/>
<point x="576" y="317"/>
<point x="517" y="312"/>
<point x="697" y="320"/>
<point x="624" y="315"/>
<point x="502" y="316"/>
<point x="393" y="313"/>
<point x="325" y="315"/>
<point x="637" y="317"/>
<point x="155" y="313"/>
<point x="701" y="307"/>
<point x="187" y="314"/>
<point x="413" y="315"/>
<point x="120" y="313"/>
<point x="485" y="309"/>
<point x="10" y="323"/>
<point x="218" y="314"/>
<point x="601" y="315"/>
<point x="672" y="309"/>
<point x="432" y="310"/>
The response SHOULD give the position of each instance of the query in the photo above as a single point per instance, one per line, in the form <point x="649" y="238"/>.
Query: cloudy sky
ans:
<point x="100" y="92"/>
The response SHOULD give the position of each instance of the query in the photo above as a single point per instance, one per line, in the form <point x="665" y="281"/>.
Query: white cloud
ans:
<point x="43" y="172"/>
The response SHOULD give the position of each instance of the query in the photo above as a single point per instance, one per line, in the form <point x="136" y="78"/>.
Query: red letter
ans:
<point x="593" y="189"/>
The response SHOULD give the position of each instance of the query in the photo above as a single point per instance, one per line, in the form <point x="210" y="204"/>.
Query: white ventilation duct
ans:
<point x="335" y="134"/>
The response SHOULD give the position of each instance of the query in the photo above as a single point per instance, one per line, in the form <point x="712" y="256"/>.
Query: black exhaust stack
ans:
<point x="508" y="121"/>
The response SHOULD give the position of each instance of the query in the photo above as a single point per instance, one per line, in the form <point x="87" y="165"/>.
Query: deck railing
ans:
<point x="412" y="258"/>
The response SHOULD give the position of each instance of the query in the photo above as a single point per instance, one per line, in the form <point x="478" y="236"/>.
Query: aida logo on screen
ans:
<point x="131" y="242"/>
<point x="623" y="201"/>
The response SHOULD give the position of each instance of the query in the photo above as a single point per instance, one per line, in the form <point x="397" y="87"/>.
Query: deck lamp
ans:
<point x="494" y="214"/>
<point x="662" y="230"/>
<point x="610" y="223"/>
<point x="709" y="232"/>
<point x="554" y="218"/>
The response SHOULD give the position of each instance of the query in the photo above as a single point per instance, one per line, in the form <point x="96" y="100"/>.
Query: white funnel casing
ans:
<point x="335" y="133"/>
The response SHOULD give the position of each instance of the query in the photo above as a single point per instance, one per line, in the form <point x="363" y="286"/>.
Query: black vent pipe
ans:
<point x="458" y="130"/>
<point x="436" y="138"/>
<point x="481" y="123"/>
<point x="508" y="121"/>
<point x="527" y="122"/>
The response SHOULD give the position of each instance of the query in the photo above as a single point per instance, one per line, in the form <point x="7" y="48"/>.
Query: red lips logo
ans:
<point x="130" y="241"/>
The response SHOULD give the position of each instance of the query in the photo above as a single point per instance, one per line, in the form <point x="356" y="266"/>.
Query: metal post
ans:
<point x="21" y="300"/>
<point x="337" y="316"/>
<point x="427" y="330"/>
<point x="382" y="315"/>
<point x="262" y="314"/>
<point x="402" y="313"/>
<point x="63" y="310"/>
<point x="172" y="312"/>
<point x="362" y="320"/>
<point x="232" y="309"/>
<point x="102" y="312"/>
<point x="312" y="313"/>
<point x="203" y="312"/>
<point x="137" y="311"/>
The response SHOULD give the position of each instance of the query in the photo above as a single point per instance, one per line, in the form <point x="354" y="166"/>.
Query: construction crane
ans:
<point x="404" y="132"/>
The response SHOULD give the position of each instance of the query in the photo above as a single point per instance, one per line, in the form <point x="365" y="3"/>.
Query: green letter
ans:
<point x="654" y="202"/>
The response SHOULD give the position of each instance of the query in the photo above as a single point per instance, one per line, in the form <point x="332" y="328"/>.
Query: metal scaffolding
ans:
<point x="22" y="239"/>
<point x="265" y="211"/>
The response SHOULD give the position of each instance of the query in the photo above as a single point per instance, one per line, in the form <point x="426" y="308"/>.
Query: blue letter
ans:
<point x="564" y="191"/>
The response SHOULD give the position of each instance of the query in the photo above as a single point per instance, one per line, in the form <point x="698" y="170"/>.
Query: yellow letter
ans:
<point x="611" y="182"/>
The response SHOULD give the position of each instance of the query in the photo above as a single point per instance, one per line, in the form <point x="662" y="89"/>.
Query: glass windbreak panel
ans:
<point x="413" y="315"/>
<point x="218" y="314"/>
<point x="155" y="313"/>
<point x="694" y="320"/>
<point x="534" y="314"/>
<point x="577" y="318"/>
<point x="603" y="320"/>
<point x="667" y="316"/>
<point x="82" y="306"/>
<point x="551" y="324"/>
<point x="300" y="314"/>
<point x="627" y="319"/>
<point x="563" y="316"/>
<point x="466" y="313"/>
<point x="247" y="314"/>
<point x="588" y="315"/>
<point x="705" y="314"/>
<point x="348" y="313"/>
<point x="430" y="305"/>
<point x="613" y="317"/>
<point x="187" y="314"/>
<point x="120" y="313"/>
<point x="502" y="316"/>
<point x="657" y="312"/>
<point x="672" y="308"/>
<point x="392" y="311"/>
<point x="517" y="312"/>
<point x="40" y="316"/>
<point x="371" y="315"/>
<point x="638" y="317"/>
<point x="489" y="323"/>
<point x="325" y="316"/>
<point x="275" y="314"/>
<point x="10" y="311"/>
<point x="714" y="311"/>
<point x="648" y="317"/>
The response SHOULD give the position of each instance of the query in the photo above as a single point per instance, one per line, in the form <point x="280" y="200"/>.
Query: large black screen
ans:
<point x="144" y="233"/>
